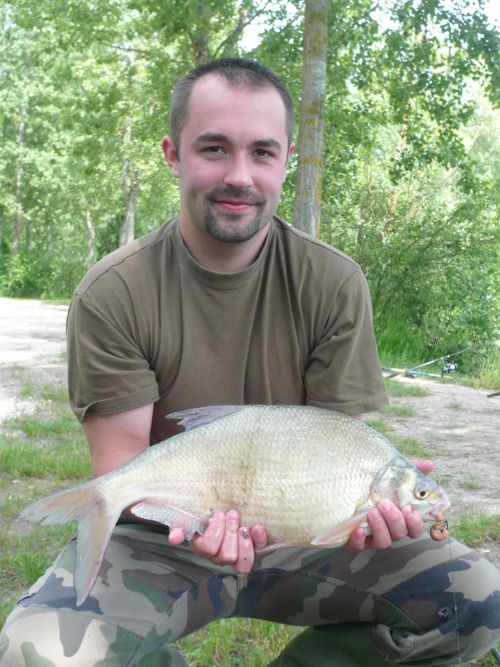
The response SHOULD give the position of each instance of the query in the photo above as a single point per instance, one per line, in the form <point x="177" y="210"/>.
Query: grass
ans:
<point x="395" y="388"/>
<point x="39" y="452"/>
<point x="25" y="557"/>
<point x="65" y="459"/>
<point x="380" y="425"/>
<point x="36" y="426"/>
<point x="476" y="528"/>
<point x="236" y="642"/>
<point x="412" y="447"/>
<point x="470" y="482"/>
<point x="399" y="410"/>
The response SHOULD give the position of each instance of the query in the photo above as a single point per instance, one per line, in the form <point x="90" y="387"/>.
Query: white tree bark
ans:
<point x="129" y="181"/>
<point x="307" y="207"/>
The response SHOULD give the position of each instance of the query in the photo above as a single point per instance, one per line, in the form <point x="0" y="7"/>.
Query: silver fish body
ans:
<point x="308" y="474"/>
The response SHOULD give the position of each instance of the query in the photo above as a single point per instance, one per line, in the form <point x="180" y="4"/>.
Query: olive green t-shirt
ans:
<point x="148" y="324"/>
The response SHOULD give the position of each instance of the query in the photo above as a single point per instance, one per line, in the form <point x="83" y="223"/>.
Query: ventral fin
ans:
<point x="153" y="510"/>
<point x="194" y="417"/>
<point x="340" y="533"/>
<point x="269" y="548"/>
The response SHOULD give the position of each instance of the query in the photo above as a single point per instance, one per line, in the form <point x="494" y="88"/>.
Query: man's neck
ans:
<point x="222" y="257"/>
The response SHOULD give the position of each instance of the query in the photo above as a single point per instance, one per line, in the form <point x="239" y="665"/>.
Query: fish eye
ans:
<point x="422" y="491"/>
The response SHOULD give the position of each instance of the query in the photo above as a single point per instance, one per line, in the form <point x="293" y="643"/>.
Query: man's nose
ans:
<point x="239" y="172"/>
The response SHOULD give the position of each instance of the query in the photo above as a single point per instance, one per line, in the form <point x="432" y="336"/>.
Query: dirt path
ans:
<point x="32" y="337"/>
<point x="459" y="425"/>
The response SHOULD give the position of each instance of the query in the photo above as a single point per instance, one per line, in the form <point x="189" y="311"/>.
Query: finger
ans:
<point x="380" y="537"/>
<point x="394" y="519"/>
<point x="176" y="536"/>
<point x="228" y="550"/>
<point x="424" y="465"/>
<point x="414" y="522"/>
<point x="259" y="536"/>
<point x="208" y="544"/>
<point x="246" y="554"/>
<point x="357" y="541"/>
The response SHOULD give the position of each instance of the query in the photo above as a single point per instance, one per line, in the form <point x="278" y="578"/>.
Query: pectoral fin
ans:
<point x="153" y="510"/>
<point x="339" y="534"/>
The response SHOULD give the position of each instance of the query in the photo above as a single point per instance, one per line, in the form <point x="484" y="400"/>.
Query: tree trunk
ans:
<point x="310" y="164"/>
<point x="1" y="240"/>
<point x="129" y="181"/>
<point x="200" y="33"/>
<point x="89" y="223"/>
<point x="19" y="218"/>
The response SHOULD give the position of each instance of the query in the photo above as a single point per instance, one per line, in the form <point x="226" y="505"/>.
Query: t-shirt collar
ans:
<point x="220" y="280"/>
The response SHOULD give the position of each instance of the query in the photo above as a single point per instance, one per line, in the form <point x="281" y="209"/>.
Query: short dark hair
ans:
<point x="237" y="72"/>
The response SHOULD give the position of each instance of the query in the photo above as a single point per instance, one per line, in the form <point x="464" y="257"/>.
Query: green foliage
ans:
<point x="429" y="250"/>
<point x="410" y="186"/>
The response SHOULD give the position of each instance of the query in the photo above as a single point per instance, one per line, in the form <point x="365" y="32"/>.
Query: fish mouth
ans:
<point x="437" y="510"/>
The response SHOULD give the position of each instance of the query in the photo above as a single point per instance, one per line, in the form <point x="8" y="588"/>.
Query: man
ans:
<point x="228" y="304"/>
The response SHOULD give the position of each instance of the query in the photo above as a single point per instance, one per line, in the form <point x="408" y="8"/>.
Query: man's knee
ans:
<point x="478" y="625"/>
<point x="27" y="640"/>
<point x="51" y="638"/>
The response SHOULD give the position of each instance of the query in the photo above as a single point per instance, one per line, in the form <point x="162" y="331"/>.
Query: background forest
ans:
<point x="410" y="159"/>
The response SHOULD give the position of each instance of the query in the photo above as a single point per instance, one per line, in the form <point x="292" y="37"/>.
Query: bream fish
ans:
<point x="308" y="474"/>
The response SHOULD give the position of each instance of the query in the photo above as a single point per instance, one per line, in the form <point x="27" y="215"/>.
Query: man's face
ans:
<point x="232" y="159"/>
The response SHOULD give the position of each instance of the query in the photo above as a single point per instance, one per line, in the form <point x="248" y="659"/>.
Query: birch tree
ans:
<point x="310" y="165"/>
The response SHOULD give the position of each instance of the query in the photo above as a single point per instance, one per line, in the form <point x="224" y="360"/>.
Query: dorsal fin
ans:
<point x="193" y="417"/>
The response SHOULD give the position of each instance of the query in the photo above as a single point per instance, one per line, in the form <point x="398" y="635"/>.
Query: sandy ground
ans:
<point x="460" y="425"/>
<point x="32" y="337"/>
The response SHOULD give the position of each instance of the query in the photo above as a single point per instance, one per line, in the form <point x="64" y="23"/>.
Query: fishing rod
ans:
<point x="410" y="371"/>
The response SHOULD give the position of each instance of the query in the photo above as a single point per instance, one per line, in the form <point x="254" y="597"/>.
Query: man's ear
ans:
<point x="170" y="153"/>
<point x="290" y="153"/>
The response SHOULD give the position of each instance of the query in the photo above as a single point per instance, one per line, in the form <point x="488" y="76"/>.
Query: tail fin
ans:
<point x="96" y="520"/>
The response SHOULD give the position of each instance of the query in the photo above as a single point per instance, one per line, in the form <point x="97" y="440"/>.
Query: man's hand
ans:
<point x="388" y="523"/>
<point x="225" y="541"/>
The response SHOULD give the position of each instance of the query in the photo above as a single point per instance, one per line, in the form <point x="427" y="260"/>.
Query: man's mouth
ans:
<point x="234" y="202"/>
<point x="234" y="206"/>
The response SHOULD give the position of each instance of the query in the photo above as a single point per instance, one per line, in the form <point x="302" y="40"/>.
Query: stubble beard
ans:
<point x="232" y="228"/>
<point x="227" y="227"/>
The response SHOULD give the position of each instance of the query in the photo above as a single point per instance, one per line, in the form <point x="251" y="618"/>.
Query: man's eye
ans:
<point x="262" y="152"/>
<point x="212" y="149"/>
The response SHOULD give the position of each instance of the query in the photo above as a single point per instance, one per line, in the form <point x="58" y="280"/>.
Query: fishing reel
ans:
<point x="448" y="368"/>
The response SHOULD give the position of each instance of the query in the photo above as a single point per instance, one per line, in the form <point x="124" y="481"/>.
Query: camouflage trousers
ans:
<point x="420" y="602"/>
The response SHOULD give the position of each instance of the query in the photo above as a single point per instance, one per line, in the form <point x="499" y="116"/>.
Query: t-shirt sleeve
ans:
<point x="344" y="371"/>
<point x="108" y="370"/>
